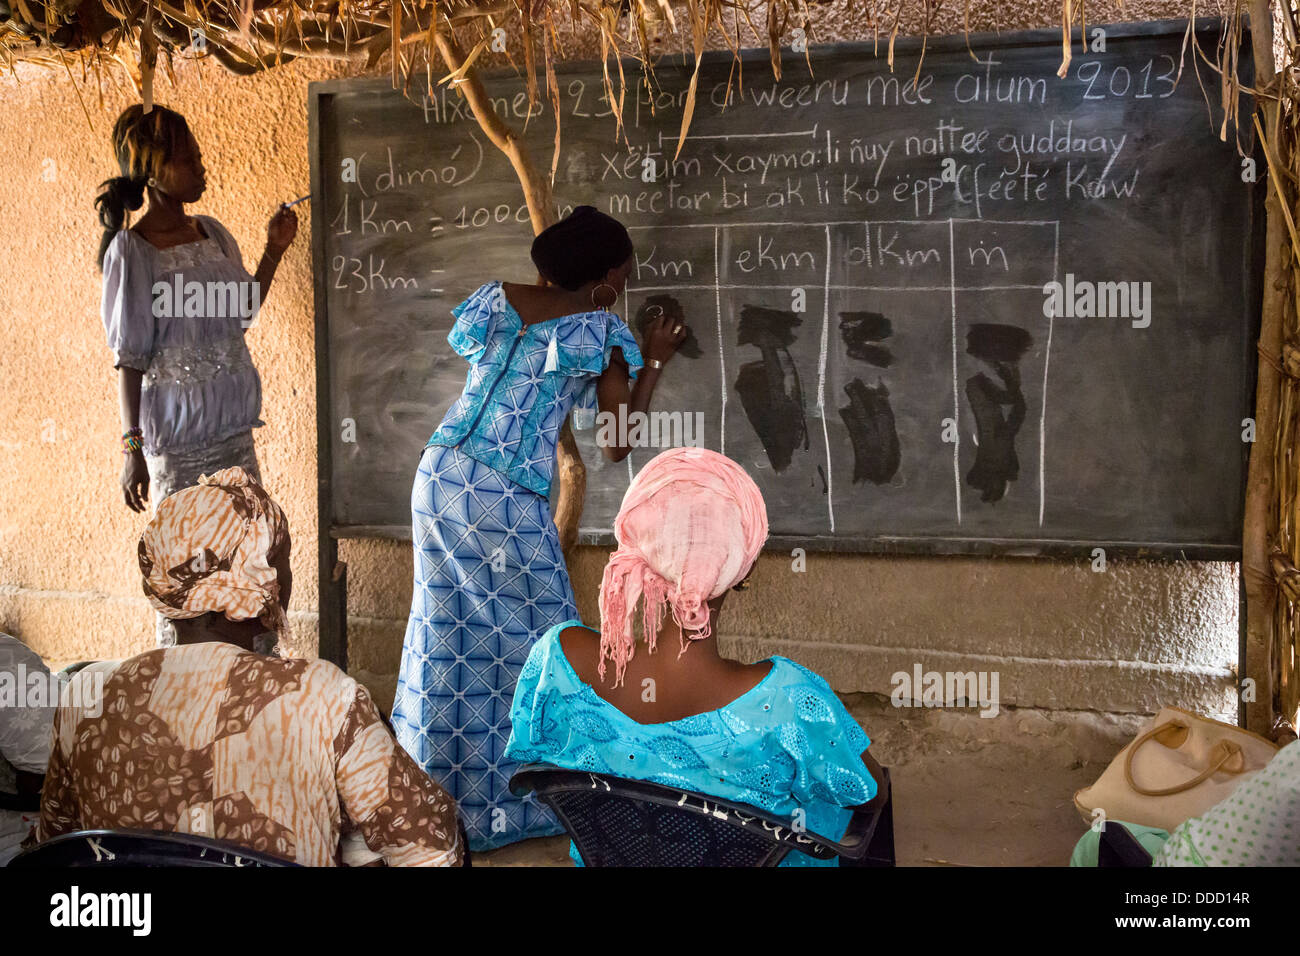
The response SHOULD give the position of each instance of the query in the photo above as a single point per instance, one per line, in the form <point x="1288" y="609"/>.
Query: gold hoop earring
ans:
<point x="610" y="288"/>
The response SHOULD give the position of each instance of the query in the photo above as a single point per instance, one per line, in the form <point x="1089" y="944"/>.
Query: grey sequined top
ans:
<point x="175" y="315"/>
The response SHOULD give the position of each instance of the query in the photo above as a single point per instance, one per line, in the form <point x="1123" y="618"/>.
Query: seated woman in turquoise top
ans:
<point x="771" y="734"/>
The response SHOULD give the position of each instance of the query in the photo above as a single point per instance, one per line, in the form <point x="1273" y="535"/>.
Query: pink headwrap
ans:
<point x="691" y="526"/>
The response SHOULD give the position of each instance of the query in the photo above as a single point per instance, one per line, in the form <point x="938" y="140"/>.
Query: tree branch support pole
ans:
<point x="541" y="211"/>
<point x="1260" y="524"/>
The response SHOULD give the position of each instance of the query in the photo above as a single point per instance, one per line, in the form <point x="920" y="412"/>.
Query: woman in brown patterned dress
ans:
<point x="211" y="737"/>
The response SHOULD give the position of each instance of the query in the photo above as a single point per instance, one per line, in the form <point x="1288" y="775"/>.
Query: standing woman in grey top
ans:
<point x="177" y="301"/>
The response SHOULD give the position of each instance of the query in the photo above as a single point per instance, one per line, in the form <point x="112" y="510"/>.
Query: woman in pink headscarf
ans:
<point x="771" y="734"/>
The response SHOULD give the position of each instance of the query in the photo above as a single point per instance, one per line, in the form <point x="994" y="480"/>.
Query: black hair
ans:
<point x="581" y="247"/>
<point x="120" y="194"/>
<point x="143" y="143"/>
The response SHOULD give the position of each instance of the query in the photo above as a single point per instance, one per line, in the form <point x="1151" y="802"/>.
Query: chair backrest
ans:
<point x="140" y="848"/>
<point x="615" y="828"/>
<point x="614" y="821"/>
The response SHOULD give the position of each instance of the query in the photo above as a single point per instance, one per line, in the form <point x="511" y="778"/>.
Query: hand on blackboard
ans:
<point x="281" y="230"/>
<point x="664" y="335"/>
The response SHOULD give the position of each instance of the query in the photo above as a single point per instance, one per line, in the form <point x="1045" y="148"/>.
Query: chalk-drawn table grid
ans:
<point x="951" y="287"/>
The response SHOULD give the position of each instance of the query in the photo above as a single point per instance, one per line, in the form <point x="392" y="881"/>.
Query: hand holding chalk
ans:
<point x="282" y="229"/>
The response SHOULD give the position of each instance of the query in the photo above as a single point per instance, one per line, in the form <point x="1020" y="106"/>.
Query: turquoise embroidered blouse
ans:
<point x="787" y="744"/>
<point x="524" y="380"/>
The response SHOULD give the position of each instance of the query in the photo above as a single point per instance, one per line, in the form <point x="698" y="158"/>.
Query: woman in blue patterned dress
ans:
<point x="490" y="577"/>
<point x="771" y="735"/>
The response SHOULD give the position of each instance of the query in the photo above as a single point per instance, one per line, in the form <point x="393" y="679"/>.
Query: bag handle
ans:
<point x="1229" y="750"/>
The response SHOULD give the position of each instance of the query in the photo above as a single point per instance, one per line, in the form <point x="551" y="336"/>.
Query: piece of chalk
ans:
<point x="290" y="205"/>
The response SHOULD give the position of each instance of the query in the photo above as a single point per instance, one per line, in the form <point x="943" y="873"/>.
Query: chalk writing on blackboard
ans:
<point x="864" y="223"/>
<point x="914" y="261"/>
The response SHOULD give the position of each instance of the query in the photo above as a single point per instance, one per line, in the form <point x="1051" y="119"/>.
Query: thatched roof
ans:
<point x="429" y="37"/>
<point x="435" y="40"/>
<point x="249" y="35"/>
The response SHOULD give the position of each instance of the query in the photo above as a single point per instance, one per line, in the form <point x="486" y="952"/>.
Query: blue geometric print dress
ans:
<point x="786" y="745"/>
<point x="490" y="577"/>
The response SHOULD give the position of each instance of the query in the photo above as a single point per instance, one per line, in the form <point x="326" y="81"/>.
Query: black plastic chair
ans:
<point x="101" y="848"/>
<point x="71" y="670"/>
<point x="1120" y="848"/>
<point x="614" y="821"/>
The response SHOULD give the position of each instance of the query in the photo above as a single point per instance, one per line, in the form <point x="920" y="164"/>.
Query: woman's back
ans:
<point x="275" y="754"/>
<point x="535" y="303"/>
<point x="524" y="378"/>
<point x="662" y="687"/>
<point x="785" y="744"/>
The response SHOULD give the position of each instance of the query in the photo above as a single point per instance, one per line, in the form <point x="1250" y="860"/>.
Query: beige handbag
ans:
<point x="1179" y="767"/>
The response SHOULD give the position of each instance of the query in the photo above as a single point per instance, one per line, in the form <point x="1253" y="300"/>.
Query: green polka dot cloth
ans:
<point x="1259" y="825"/>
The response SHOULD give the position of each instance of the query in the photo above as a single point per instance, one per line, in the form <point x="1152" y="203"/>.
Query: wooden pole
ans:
<point x="541" y="211"/>
<point x="1260" y="521"/>
<point x="537" y="189"/>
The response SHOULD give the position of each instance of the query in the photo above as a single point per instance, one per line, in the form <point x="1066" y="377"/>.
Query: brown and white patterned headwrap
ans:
<point x="207" y="549"/>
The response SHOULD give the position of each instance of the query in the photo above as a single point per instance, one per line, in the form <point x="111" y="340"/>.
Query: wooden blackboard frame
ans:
<point x="333" y="573"/>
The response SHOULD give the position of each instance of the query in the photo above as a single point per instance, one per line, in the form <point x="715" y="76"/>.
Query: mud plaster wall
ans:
<point x="1061" y="636"/>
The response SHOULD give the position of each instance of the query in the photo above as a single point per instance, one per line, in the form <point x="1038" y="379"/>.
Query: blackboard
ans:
<point x="862" y="257"/>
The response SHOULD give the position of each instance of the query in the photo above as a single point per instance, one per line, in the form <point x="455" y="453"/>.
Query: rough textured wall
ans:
<point x="1061" y="636"/>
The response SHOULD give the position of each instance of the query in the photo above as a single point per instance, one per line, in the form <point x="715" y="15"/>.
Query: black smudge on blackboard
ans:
<point x="869" y="419"/>
<point x="862" y="332"/>
<point x="769" y="389"/>
<point x="996" y="463"/>
<point x="690" y="347"/>
<point x="997" y="343"/>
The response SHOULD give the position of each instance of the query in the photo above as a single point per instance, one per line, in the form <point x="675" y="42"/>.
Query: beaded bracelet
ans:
<point x="132" y="440"/>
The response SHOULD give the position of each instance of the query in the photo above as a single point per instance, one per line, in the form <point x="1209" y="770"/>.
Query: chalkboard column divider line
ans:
<point x="956" y="407"/>
<point x="1047" y="360"/>
<point x="821" y="380"/>
<point x="722" y="358"/>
